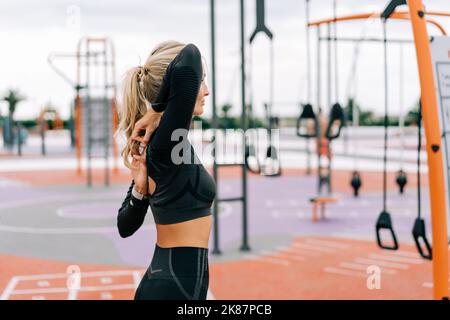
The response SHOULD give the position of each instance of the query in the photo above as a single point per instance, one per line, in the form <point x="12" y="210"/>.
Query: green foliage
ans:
<point x="13" y="97"/>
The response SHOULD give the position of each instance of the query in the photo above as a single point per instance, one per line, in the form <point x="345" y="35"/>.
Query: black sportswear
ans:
<point x="179" y="273"/>
<point x="184" y="189"/>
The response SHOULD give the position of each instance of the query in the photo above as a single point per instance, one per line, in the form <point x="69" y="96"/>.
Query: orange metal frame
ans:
<point x="416" y="14"/>
<point x="396" y="15"/>
<point x="115" y="118"/>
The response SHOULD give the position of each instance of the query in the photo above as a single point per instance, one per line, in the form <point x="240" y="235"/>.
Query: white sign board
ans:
<point x="440" y="54"/>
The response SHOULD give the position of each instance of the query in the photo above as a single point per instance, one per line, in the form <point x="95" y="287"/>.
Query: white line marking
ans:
<point x="327" y="243"/>
<point x="291" y="256"/>
<point x="81" y="230"/>
<point x="43" y="283"/>
<point x="345" y="272"/>
<point x="89" y="289"/>
<point x="267" y="259"/>
<point x="82" y="274"/>
<point x="300" y="251"/>
<point x="382" y="263"/>
<point x="9" y="288"/>
<point x="106" y="280"/>
<point x="357" y="266"/>
<point x="106" y="296"/>
<point x="313" y="248"/>
<point x="406" y="254"/>
<point x="283" y="254"/>
<point x="210" y="295"/>
<point x="395" y="259"/>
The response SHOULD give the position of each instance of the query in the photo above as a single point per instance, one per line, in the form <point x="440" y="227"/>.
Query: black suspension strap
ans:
<point x="336" y="117"/>
<point x="419" y="231"/>
<point x="384" y="221"/>
<point x="306" y="126"/>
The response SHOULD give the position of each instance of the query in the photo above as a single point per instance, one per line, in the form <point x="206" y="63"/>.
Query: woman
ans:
<point x="160" y="99"/>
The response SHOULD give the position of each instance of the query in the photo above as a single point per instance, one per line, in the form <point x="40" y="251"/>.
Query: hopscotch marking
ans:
<point x="44" y="285"/>
<point x="105" y="278"/>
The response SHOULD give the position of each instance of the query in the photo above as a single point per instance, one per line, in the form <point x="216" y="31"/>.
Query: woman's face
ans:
<point x="202" y="93"/>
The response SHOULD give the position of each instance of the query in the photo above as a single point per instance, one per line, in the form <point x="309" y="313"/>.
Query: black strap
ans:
<point x="384" y="220"/>
<point x="419" y="230"/>
<point x="336" y="115"/>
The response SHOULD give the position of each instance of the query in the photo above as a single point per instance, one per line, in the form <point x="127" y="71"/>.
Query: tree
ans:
<point x="225" y="121"/>
<point x="12" y="97"/>
<point x="365" y="117"/>
<point x="413" y="114"/>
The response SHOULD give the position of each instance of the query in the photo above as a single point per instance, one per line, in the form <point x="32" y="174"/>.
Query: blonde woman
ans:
<point x="160" y="99"/>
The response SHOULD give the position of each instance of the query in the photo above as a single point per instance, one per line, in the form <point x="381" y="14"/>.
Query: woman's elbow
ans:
<point x="124" y="231"/>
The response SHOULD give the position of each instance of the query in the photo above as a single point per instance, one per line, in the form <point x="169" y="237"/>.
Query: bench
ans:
<point x="321" y="201"/>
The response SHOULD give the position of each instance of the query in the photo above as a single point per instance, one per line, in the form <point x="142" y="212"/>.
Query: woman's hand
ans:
<point x="139" y="170"/>
<point x="143" y="124"/>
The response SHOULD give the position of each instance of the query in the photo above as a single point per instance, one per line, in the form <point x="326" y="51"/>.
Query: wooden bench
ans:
<point x="322" y="201"/>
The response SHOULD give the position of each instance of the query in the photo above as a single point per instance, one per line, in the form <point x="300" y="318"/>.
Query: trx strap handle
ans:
<point x="302" y="122"/>
<point x="336" y="115"/>
<point x="384" y="222"/>
<point x="419" y="233"/>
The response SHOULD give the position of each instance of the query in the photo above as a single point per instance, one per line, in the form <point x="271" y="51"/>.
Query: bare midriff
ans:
<point x="192" y="233"/>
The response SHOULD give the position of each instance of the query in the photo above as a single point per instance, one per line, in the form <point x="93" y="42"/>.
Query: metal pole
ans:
<point x="401" y="102"/>
<point x="329" y="102"/>
<point x="216" y="249"/>
<point x="244" y="246"/>
<point x="319" y="135"/>
<point x="42" y="131"/>
<point x="434" y="150"/>
<point x="106" y="112"/>
<point x="308" y="84"/>
<point x="19" y="138"/>
<point x="89" y="117"/>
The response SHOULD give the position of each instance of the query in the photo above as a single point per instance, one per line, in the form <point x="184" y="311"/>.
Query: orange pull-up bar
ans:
<point x="364" y="16"/>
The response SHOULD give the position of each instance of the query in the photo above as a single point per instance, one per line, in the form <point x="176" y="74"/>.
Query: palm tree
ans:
<point x="12" y="97"/>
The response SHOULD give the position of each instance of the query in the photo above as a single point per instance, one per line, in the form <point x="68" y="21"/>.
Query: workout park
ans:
<point x="325" y="131"/>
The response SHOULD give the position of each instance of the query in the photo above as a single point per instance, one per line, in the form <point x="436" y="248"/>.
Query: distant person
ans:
<point x="160" y="99"/>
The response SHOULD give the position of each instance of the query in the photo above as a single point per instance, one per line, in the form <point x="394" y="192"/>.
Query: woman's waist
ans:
<point x="193" y="233"/>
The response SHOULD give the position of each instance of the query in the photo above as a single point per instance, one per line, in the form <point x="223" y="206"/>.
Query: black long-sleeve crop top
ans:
<point x="184" y="189"/>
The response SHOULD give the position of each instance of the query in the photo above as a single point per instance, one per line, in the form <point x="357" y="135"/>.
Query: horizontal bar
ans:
<point x="364" y="16"/>
<point x="344" y="39"/>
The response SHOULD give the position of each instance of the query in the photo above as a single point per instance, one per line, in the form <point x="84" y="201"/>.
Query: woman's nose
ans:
<point x="206" y="91"/>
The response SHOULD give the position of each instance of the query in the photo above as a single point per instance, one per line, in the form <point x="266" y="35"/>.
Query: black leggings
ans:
<point x="178" y="273"/>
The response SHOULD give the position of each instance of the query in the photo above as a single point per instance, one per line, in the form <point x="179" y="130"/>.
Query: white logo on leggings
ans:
<point x="153" y="271"/>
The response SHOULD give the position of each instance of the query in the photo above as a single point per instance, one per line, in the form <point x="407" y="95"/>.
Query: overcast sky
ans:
<point x="30" y="30"/>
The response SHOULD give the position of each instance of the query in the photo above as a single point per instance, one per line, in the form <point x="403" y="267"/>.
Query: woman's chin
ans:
<point x="198" y="112"/>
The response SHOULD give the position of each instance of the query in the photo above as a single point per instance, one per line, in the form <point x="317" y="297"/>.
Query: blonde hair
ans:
<point x="141" y="87"/>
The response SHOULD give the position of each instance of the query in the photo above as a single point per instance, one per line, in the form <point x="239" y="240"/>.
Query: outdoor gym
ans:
<point x="322" y="141"/>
